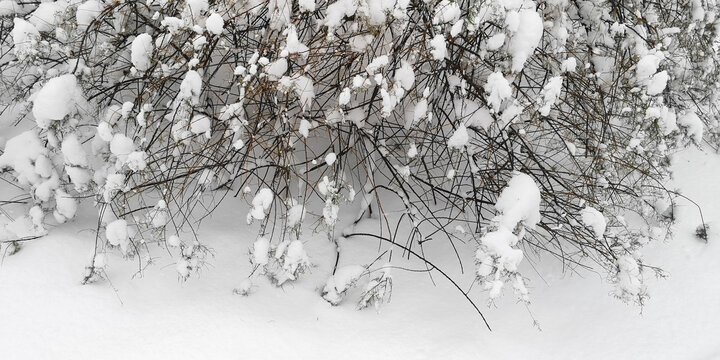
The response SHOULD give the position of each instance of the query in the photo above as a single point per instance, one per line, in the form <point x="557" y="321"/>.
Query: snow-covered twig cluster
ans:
<point x="539" y="125"/>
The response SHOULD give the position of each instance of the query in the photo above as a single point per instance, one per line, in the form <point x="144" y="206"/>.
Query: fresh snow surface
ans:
<point x="47" y="314"/>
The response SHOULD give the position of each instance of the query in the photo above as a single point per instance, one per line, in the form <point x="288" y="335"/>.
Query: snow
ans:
<point x="551" y="91"/>
<point x="45" y="15"/>
<point x="65" y="206"/>
<point x="190" y="87"/>
<point x="337" y="284"/>
<point x="116" y="233"/>
<point x="647" y="66"/>
<point x="121" y="145"/>
<point x="443" y="326"/>
<point x="59" y="97"/>
<point x="657" y="83"/>
<point x="412" y="151"/>
<point x="497" y="89"/>
<point x="260" y="204"/>
<point x="456" y="29"/>
<point x="142" y="49"/>
<point x="376" y="64"/>
<point x="136" y="161"/>
<point x="667" y="118"/>
<point x="420" y="111"/>
<point x="473" y="114"/>
<point x="95" y="150"/>
<point x="206" y="177"/>
<point x="595" y="220"/>
<point x="295" y="215"/>
<point x="125" y="110"/>
<point x="405" y="75"/>
<point x="569" y="65"/>
<point x="23" y="154"/>
<point x="693" y="125"/>
<point x="344" y="97"/>
<point x="496" y="41"/>
<point x="295" y="257"/>
<point x="499" y="243"/>
<point x="305" y="90"/>
<point x="305" y="127"/>
<point x="277" y="68"/>
<point x="80" y="177"/>
<point x="9" y="8"/>
<point x="173" y="24"/>
<point x="460" y="138"/>
<point x="527" y="37"/>
<point x="279" y="12"/>
<point x="260" y="256"/>
<point x="330" y="158"/>
<point x="25" y="35"/>
<point x="195" y="8"/>
<point x="293" y="44"/>
<point x="446" y="12"/>
<point x="438" y="49"/>
<point x="201" y="124"/>
<point x="519" y="201"/>
<point x="73" y="152"/>
<point x="173" y="241"/>
<point x="215" y="24"/>
<point x="306" y="5"/>
<point x="104" y="131"/>
<point x="87" y="12"/>
<point x="113" y="183"/>
<point x="360" y="43"/>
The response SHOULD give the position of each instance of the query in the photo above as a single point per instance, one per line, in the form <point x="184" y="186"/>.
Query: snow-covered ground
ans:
<point x="46" y="314"/>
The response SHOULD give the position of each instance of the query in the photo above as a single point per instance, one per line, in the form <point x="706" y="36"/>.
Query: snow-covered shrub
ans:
<point x="539" y="125"/>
